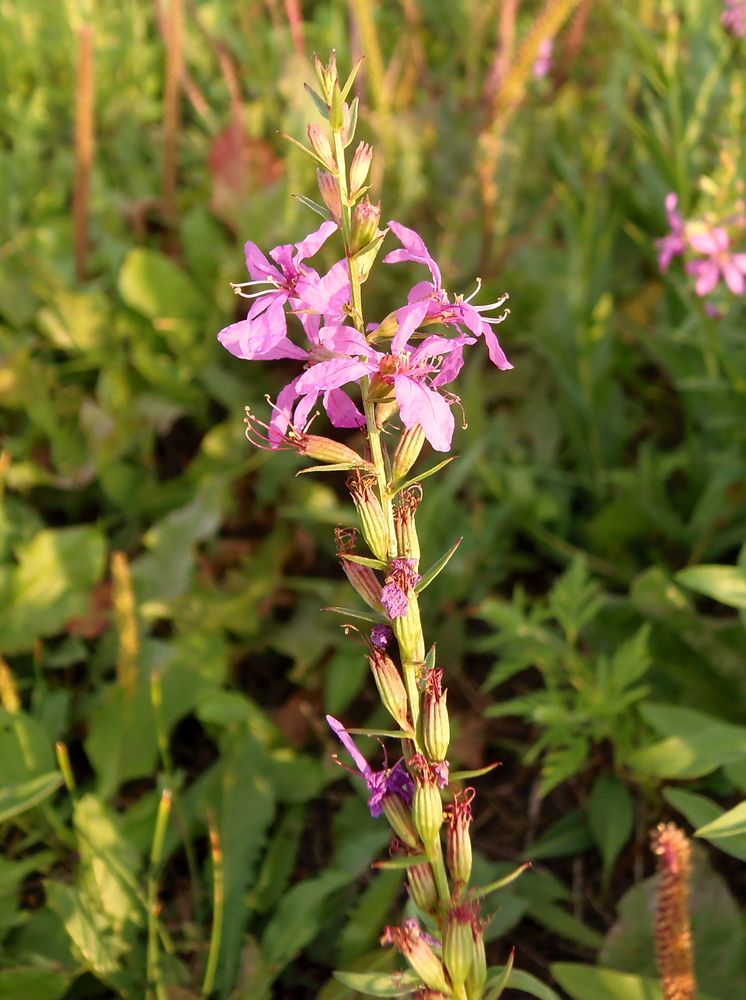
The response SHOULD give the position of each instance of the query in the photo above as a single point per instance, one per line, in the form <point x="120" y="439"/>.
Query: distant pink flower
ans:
<point x="718" y="263"/>
<point x="262" y="336"/>
<point x="543" y="64"/>
<point x="674" y="244"/>
<point x="733" y="17"/>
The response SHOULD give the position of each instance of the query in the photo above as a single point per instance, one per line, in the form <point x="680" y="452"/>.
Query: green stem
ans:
<point x="217" y="910"/>
<point x="435" y="857"/>
<point x="156" y="987"/>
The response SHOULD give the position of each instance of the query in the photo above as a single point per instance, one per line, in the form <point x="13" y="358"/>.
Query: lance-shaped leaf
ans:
<point x="476" y="773"/>
<point x="306" y="150"/>
<point x="500" y="883"/>
<point x="351" y="78"/>
<point x="497" y="985"/>
<point x="392" y="734"/>
<point x="380" y="984"/>
<point x="364" y="616"/>
<point x="393" y="490"/>
<point x="404" y="861"/>
<point x="336" y="467"/>
<point x="314" y="206"/>
<point x="321" y="106"/>
<point x="365" y="561"/>
<point x="429" y="576"/>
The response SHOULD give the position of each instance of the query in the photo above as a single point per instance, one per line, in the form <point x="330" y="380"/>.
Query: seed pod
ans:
<point x="324" y="449"/>
<point x="329" y="189"/>
<point x="410" y="941"/>
<point x="427" y="805"/>
<point x="422" y="887"/>
<point x="407" y="542"/>
<point x="458" y="944"/>
<point x="458" y="842"/>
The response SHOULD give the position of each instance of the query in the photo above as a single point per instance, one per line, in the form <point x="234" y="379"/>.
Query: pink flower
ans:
<point x="428" y="302"/>
<point x="674" y="244"/>
<point x="413" y="377"/>
<point x="263" y="334"/>
<point x="733" y="18"/>
<point x="394" y="780"/>
<point x="543" y="64"/>
<point x="718" y="263"/>
<point x="400" y="582"/>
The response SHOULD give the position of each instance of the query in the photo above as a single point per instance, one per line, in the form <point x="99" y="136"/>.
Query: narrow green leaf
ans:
<point x="418" y="479"/>
<point x="499" y="980"/>
<point x="365" y="616"/>
<point x="590" y="982"/>
<point x="500" y="883"/>
<point x="335" y="467"/>
<point x="321" y="106"/>
<point x="18" y="798"/>
<point x="438" y="567"/>
<point x="525" y="982"/>
<point x="404" y="861"/>
<point x="366" y="561"/>
<point x="380" y="984"/>
<point x="314" y="206"/>
<point x="351" y="77"/>
<point x="476" y="773"/>
<point x="394" y="734"/>
<point x="700" y="811"/>
<point x="568" y="835"/>
<point x="730" y="824"/>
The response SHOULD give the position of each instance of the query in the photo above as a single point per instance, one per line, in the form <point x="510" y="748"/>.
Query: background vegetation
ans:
<point x="160" y="581"/>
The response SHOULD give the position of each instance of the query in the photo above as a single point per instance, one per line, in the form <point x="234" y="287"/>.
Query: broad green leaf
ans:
<point x="558" y="920"/>
<point x="364" y="923"/>
<point x="717" y="931"/>
<point x="380" y="984"/>
<point x="697" y="744"/>
<point x="51" y="584"/>
<point x="297" y="920"/>
<point x="590" y="982"/>
<point x="91" y="934"/>
<point x="726" y="584"/>
<point x="611" y="817"/>
<point x="16" y="799"/>
<point x="153" y="285"/>
<point x="33" y="984"/>
<point x="568" y="835"/>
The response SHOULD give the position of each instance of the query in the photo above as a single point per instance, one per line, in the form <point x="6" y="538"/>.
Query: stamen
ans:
<point x="493" y="305"/>
<point x="475" y="292"/>
<point x="496" y="320"/>
<point x="237" y="289"/>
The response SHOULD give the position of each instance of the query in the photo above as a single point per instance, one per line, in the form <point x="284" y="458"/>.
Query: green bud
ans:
<point x="400" y="820"/>
<point x="365" y="219"/>
<point x="407" y="542"/>
<point x="407" y="451"/>
<point x="427" y="805"/>
<point x="422" y="887"/>
<point x="458" y="944"/>
<point x="390" y="686"/>
<point x="436" y="729"/>
<point x="372" y="518"/>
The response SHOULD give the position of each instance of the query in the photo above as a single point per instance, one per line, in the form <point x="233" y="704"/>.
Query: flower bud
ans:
<point x="365" y="219"/>
<point x="422" y="887"/>
<point x="458" y="943"/>
<point x="329" y="189"/>
<point x="390" y="686"/>
<point x="408" y="544"/>
<point x="407" y="451"/>
<point x="436" y="729"/>
<point x="477" y="978"/>
<point x="397" y="813"/>
<point x="359" y="168"/>
<point x="324" y="449"/>
<point x="337" y="109"/>
<point x="408" y="631"/>
<point x="372" y="518"/>
<point x="321" y="146"/>
<point x="427" y="805"/>
<point x="418" y="951"/>
<point x="326" y="75"/>
<point x="458" y="842"/>
<point x="362" y="578"/>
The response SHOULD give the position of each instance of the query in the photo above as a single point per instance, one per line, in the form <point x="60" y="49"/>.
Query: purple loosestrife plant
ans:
<point x="389" y="377"/>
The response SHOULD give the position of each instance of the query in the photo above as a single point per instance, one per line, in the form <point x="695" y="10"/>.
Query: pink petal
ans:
<point x="421" y="405"/>
<point x="414" y="250"/>
<point x="409" y="318"/>
<point x="314" y="241"/>
<point x="346" y="340"/>
<point x="710" y="241"/>
<point x="258" y="266"/>
<point x="496" y="353"/>
<point x="706" y="274"/>
<point x="282" y="413"/>
<point x="349" y="744"/>
<point x="341" y="409"/>
<point x="333" y="374"/>
<point x="733" y="276"/>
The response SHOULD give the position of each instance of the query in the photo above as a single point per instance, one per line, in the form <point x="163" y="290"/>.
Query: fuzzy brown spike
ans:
<point x="673" y="934"/>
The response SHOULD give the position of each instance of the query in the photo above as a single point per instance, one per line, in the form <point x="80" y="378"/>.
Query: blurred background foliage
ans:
<point x="160" y="581"/>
